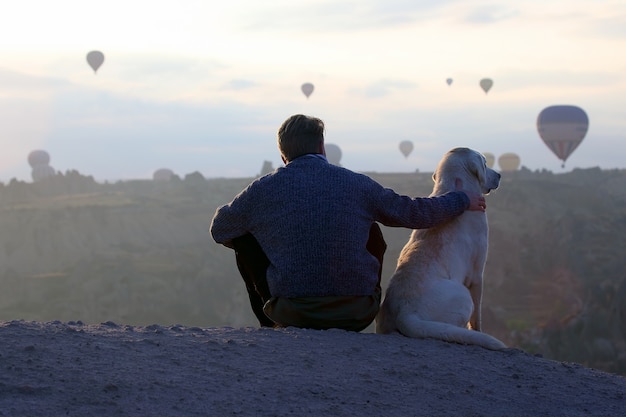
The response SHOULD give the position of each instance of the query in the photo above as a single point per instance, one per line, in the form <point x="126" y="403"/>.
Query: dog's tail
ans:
<point x="411" y="325"/>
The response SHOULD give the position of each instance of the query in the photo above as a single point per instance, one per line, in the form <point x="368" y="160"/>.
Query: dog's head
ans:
<point x="468" y="165"/>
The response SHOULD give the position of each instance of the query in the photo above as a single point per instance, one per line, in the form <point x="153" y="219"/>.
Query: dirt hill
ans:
<point x="74" y="369"/>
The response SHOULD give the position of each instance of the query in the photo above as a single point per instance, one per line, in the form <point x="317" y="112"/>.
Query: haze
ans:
<point x="203" y="86"/>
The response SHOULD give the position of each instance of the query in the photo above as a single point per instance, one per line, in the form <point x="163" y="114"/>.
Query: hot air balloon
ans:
<point x="41" y="172"/>
<point x="38" y="157"/>
<point x="95" y="59"/>
<point x="163" y="174"/>
<point x="562" y="129"/>
<point x="406" y="147"/>
<point x="490" y="159"/>
<point x="39" y="160"/>
<point x="449" y="81"/>
<point x="307" y="89"/>
<point x="509" y="162"/>
<point x="333" y="153"/>
<point x="486" y="84"/>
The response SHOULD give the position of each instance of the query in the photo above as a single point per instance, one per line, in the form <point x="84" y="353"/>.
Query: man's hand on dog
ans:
<point x="477" y="201"/>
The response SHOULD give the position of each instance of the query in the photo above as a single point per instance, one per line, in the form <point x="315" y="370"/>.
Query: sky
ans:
<point x="203" y="85"/>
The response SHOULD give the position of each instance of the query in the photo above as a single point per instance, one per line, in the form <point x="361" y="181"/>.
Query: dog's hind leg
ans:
<point x="445" y="301"/>
<point x="476" y="291"/>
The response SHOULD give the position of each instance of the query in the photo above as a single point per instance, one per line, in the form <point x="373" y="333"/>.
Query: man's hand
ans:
<point x="477" y="201"/>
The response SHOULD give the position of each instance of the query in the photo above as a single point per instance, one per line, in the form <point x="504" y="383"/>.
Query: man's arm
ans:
<point x="228" y="223"/>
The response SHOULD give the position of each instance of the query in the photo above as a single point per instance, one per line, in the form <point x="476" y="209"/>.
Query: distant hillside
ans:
<point x="139" y="252"/>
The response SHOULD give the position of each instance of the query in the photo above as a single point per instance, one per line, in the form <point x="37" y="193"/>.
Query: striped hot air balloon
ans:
<point x="562" y="128"/>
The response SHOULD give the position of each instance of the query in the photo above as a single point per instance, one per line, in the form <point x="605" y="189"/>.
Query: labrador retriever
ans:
<point x="436" y="290"/>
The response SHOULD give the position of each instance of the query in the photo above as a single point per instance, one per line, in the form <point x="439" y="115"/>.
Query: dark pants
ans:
<point x="252" y="264"/>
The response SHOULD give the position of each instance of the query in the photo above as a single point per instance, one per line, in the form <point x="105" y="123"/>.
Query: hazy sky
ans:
<point x="203" y="85"/>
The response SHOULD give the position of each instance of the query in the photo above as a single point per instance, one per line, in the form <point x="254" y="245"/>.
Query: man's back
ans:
<point x="312" y="219"/>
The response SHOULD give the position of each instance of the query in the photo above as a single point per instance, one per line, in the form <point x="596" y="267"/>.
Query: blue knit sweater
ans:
<point x="313" y="218"/>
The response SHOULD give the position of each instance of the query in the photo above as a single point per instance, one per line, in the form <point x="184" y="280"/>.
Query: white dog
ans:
<point x="436" y="290"/>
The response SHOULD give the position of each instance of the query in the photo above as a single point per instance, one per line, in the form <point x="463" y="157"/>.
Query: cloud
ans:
<point x="117" y="136"/>
<point x="490" y="14"/>
<point x="239" y="84"/>
<point x="514" y="79"/>
<point x="341" y="16"/>
<point x="383" y="88"/>
<point x="140" y="66"/>
<point x="614" y="27"/>
<point x="15" y="84"/>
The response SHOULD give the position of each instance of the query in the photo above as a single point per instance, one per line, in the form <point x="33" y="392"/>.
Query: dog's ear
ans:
<point x="479" y="168"/>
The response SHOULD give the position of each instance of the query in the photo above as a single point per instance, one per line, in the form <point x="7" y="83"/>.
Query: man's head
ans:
<point x="300" y="135"/>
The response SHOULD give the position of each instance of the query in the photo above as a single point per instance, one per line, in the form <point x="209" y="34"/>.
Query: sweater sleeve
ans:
<point x="230" y="221"/>
<point x="420" y="212"/>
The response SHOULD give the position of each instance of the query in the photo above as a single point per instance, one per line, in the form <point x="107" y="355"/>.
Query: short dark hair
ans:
<point x="300" y="135"/>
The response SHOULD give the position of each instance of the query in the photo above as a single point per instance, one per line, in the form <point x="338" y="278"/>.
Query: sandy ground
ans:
<point x="72" y="369"/>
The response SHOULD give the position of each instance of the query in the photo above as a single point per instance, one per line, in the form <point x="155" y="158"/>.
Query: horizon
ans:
<point x="175" y="177"/>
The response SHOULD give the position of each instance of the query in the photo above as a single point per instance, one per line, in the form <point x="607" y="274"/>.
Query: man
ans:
<point x="306" y="239"/>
